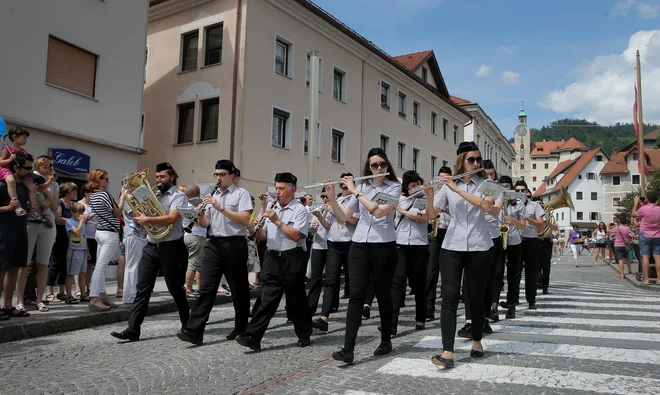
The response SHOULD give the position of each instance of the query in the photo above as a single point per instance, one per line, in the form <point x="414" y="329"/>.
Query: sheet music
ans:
<point x="188" y="213"/>
<point x="196" y="201"/>
<point x="419" y="204"/>
<point x="491" y="188"/>
<point x="384" y="198"/>
<point x="142" y="194"/>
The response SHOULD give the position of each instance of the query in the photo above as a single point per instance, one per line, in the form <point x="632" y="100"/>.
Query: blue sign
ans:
<point x="70" y="161"/>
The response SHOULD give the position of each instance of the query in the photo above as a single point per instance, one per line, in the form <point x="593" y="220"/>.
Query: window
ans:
<point x="533" y="189"/>
<point x="210" y="114"/>
<point x="306" y="138"/>
<point x="283" y="57"/>
<point x="455" y="134"/>
<point x="522" y="166"/>
<point x="416" y="107"/>
<point x="534" y="166"/>
<point x="546" y="166"/>
<point x="594" y="195"/>
<point x="186" y="123"/>
<point x="280" y="128"/>
<point x="579" y="215"/>
<point x="308" y="70"/>
<point x="578" y="195"/>
<point x="434" y="123"/>
<point x="534" y="179"/>
<point x="189" y="51"/>
<point x="425" y="75"/>
<point x="71" y="68"/>
<point x="337" y="154"/>
<point x="444" y="128"/>
<point x="616" y="180"/>
<point x="635" y="179"/>
<point x="339" y="85"/>
<point x="634" y="156"/>
<point x="213" y="45"/>
<point x="142" y="132"/>
<point x="616" y="201"/>
<point x="434" y="166"/>
<point x="562" y="216"/>
<point x="416" y="159"/>
<point x="594" y="216"/>
<point x="385" y="96"/>
<point x="146" y="63"/>
<point x="591" y="176"/>
<point x="401" y="155"/>
<point x="599" y="158"/>
<point x="385" y="144"/>
<point x="403" y="105"/>
<point x="579" y="176"/>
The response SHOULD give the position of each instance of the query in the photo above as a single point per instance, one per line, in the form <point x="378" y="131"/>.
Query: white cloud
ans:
<point x="511" y="77"/>
<point x="484" y="71"/>
<point x="510" y="50"/>
<point x="603" y="89"/>
<point x="646" y="9"/>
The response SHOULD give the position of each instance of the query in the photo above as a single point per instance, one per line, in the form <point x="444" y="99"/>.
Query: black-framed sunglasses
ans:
<point x="324" y="196"/>
<point x="478" y="159"/>
<point x="220" y="174"/>
<point x="26" y="167"/>
<point x="381" y="165"/>
<point x="521" y="190"/>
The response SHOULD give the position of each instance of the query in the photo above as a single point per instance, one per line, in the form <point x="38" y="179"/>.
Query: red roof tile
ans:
<point x="654" y="157"/>
<point x="541" y="148"/>
<point x="617" y="164"/>
<point x="573" y="143"/>
<point x="580" y="163"/>
<point x="412" y="61"/>
<point x="560" y="168"/>
<point x="540" y="191"/>
<point x="459" y="100"/>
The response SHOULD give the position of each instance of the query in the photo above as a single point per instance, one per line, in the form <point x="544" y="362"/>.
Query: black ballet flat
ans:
<point x="476" y="353"/>
<point x="440" y="361"/>
<point x="420" y="327"/>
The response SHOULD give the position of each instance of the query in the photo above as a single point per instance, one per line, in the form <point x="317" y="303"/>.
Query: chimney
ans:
<point x="616" y="150"/>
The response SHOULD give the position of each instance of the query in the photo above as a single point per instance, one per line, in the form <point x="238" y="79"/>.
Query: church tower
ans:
<point x="522" y="146"/>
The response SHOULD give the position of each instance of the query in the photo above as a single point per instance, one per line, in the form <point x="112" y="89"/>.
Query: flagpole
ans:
<point x="640" y="135"/>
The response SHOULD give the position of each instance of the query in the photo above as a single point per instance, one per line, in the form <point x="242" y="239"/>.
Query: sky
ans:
<point x="561" y="58"/>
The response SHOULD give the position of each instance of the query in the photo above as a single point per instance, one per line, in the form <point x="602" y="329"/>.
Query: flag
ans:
<point x="641" y="162"/>
<point x="635" y="121"/>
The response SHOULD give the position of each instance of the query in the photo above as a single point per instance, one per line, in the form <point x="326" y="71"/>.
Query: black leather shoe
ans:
<point x="366" y="312"/>
<point x="232" y="335"/>
<point x="343" y="355"/>
<point x="487" y="329"/>
<point x="494" y="315"/>
<point x="476" y="353"/>
<point x="249" y="341"/>
<point x="304" y="342"/>
<point x="440" y="361"/>
<point x="190" y="337"/>
<point x="126" y="334"/>
<point x="465" y="332"/>
<point x="384" y="348"/>
<point x="532" y="306"/>
<point x="419" y="327"/>
<point x="511" y="313"/>
<point x="321" y="325"/>
<point x="504" y="305"/>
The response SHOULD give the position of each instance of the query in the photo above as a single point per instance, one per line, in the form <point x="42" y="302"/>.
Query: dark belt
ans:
<point x="285" y="253"/>
<point x="156" y="245"/>
<point x="226" y="237"/>
<point x="34" y="221"/>
<point x="530" y="238"/>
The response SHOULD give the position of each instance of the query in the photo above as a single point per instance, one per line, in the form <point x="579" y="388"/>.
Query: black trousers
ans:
<point x="433" y="270"/>
<point x="337" y="258"/>
<point x="223" y="256"/>
<point x="476" y="265"/>
<point x="172" y="258"/>
<point x="498" y="277"/>
<point x="513" y="267"/>
<point x="530" y="252"/>
<point x="495" y="255"/>
<point x="57" y="264"/>
<point x="365" y="260"/>
<point x="319" y="258"/>
<point x="412" y="265"/>
<point x="544" y="257"/>
<point x="282" y="274"/>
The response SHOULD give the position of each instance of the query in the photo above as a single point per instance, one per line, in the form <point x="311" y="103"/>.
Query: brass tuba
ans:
<point x="150" y="208"/>
<point x="562" y="200"/>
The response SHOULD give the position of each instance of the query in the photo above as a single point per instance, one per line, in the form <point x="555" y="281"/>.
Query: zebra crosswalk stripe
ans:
<point x="552" y="303"/>
<point x="535" y="330"/>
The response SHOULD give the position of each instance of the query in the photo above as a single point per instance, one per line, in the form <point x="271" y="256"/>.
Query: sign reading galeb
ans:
<point x="70" y="161"/>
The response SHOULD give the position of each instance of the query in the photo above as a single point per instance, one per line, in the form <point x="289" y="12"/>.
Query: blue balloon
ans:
<point x="3" y="128"/>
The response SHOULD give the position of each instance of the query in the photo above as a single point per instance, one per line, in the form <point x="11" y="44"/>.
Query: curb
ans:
<point x="9" y="332"/>
<point x="631" y="279"/>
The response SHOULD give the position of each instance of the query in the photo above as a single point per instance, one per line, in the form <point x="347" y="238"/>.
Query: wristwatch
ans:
<point x="279" y="224"/>
<point x="357" y="195"/>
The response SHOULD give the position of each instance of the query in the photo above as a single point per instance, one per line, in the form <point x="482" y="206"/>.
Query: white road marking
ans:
<point x="591" y="321"/>
<point x="627" y="306"/>
<point x="643" y="336"/>
<point x="620" y="311"/>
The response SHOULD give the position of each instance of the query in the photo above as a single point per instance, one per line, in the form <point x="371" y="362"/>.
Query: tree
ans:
<point x="652" y="184"/>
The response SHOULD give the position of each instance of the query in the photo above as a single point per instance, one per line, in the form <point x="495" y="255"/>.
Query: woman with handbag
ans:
<point x="622" y="244"/>
<point x="575" y="238"/>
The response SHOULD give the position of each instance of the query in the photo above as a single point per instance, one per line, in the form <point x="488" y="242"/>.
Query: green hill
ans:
<point x="590" y="133"/>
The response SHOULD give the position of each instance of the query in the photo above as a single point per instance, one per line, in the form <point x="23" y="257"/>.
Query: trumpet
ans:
<point x="322" y="184"/>
<point x="436" y="182"/>
<point x="262" y="221"/>
<point x="192" y="223"/>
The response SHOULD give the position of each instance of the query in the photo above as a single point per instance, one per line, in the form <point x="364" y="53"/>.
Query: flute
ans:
<point x="339" y="201"/>
<point x="262" y="221"/>
<point x="438" y="181"/>
<point x="192" y="223"/>
<point x="322" y="184"/>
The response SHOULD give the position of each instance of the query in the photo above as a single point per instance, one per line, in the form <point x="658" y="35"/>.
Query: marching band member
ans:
<point x="439" y="225"/>
<point x="284" y="268"/>
<point x="319" y="254"/>
<point x="339" y="243"/>
<point x="412" y="251"/>
<point x="168" y="254"/>
<point x="545" y="255"/>
<point x="226" y="214"/>
<point x="373" y="250"/>
<point x="466" y="246"/>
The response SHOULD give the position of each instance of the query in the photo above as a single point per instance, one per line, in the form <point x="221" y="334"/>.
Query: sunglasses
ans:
<point x="324" y="196"/>
<point x="220" y="174"/>
<point x="473" y="159"/>
<point x="380" y="165"/>
<point x="26" y="167"/>
<point x="521" y="190"/>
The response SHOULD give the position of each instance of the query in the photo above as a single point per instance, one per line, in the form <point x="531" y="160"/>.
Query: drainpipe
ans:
<point x="234" y="89"/>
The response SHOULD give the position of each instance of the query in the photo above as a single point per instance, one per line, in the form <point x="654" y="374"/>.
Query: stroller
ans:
<point x="640" y="273"/>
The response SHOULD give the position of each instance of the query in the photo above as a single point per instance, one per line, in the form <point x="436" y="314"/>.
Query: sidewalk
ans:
<point x="65" y="317"/>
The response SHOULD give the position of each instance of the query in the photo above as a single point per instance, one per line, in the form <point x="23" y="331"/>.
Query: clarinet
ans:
<point x="262" y="221"/>
<point x="192" y="223"/>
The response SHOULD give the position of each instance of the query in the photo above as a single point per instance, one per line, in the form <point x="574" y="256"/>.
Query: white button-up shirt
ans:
<point x="341" y="232"/>
<point x="370" y="229"/>
<point x="534" y="210"/>
<point x="235" y="199"/>
<point x="494" y="222"/>
<point x="320" y="240"/>
<point x="172" y="199"/>
<point x="294" y="215"/>
<point x="409" y="231"/>
<point x="467" y="230"/>
<point x="518" y="212"/>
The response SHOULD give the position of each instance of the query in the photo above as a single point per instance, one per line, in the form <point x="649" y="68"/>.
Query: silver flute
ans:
<point x="438" y="181"/>
<point x="322" y="184"/>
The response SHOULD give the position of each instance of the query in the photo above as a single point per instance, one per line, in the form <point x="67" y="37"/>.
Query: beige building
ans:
<point x="75" y="81"/>
<point x="228" y="82"/>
